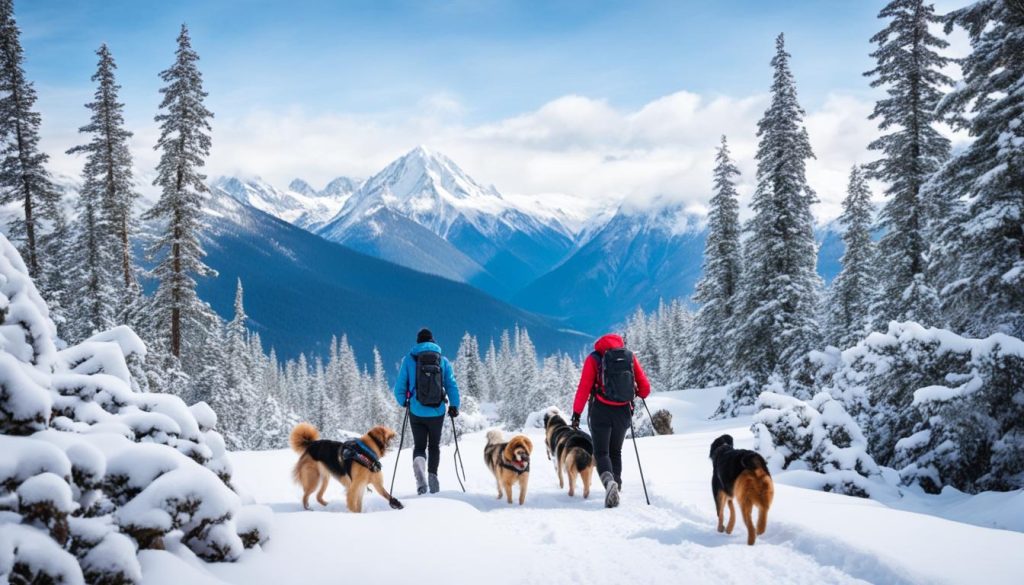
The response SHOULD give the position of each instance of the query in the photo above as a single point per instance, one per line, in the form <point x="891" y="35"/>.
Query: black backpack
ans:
<point x="429" y="379"/>
<point x="616" y="375"/>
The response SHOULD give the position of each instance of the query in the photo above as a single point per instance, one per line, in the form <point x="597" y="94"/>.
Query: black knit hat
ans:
<point x="424" y="336"/>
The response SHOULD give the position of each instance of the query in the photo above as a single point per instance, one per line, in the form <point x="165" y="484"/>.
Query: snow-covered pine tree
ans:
<point x="383" y="410"/>
<point x="107" y="180"/>
<point x="778" y="293"/>
<point x="849" y="302"/>
<point x="235" y="402"/>
<point x="909" y="67"/>
<point x="469" y="370"/>
<point x="24" y="179"/>
<point x="185" y="144"/>
<point x="681" y="325"/>
<point x="491" y="370"/>
<point x="984" y="292"/>
<point x="711" y="351"/>
<point x="349" y="400"/>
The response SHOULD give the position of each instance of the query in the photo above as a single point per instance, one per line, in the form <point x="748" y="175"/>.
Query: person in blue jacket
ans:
<point x="426" y="421"/>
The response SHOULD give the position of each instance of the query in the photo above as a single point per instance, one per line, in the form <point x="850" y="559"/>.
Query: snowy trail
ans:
<point x="454" y="538"/>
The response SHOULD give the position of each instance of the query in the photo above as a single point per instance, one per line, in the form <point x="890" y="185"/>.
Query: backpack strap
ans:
<point x="597" y="377"/>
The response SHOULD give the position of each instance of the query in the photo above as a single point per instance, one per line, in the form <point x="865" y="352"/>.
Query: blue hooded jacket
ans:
<point x="407" y="382"/>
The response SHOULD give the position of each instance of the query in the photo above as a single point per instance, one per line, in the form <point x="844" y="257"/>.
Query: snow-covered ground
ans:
<point x="453" y="538"/>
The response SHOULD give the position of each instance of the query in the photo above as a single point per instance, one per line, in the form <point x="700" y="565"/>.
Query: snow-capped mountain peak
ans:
<point x="431" y="190"/>
<point x="300" y="186"/>
<point x="300" y="204"/>
<point x="424" y="192"/>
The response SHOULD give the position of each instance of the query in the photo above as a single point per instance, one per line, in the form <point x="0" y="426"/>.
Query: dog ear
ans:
<point x="528" y="444"/>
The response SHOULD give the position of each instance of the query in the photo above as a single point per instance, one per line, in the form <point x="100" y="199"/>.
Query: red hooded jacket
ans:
<point x="589" y="376"/>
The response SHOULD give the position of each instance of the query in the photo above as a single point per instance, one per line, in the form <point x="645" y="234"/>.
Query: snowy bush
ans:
<point x="93" y="469"/>
<point x="940" y="408"/>
<point x="470" y="420"/>
<point x="817" y="436"/>
<point x="740" y="398"/>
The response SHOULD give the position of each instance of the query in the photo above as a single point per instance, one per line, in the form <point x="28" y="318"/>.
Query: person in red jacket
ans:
<point x="608" y="419"/>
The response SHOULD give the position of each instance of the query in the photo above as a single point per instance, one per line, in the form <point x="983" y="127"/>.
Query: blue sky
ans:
<point x="500" y="57"/>
<point x="549" y="98"/>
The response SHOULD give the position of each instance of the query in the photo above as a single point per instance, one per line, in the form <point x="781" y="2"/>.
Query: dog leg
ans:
<point x="377" y="479"/>
<point x="732" y="516"/>
<point x="747" y="507"/>
<point x="498" y="479"/>
<point x="508" y="490"/>
<point x="720" y="509"/>
<point x="762" y="519"/>
<point x="352" y="497"/>
<point x="560" y="483"/>
<point x="523" y="481"/>
<point x="587" y="477"/>
<point x="323" y="488"/>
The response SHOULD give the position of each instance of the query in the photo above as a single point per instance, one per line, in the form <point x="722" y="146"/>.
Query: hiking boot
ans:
<point x="419" y="468"/>
<point x="618" y="481"/>
<point x="435" y="486"/>
<point x="611" y="496"/>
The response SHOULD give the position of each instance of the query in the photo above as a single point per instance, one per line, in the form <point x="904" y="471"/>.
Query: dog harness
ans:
<point x="356" y="450"/>
<point x="512" y="467"/>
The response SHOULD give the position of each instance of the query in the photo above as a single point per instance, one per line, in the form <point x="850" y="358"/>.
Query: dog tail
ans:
<point x="583" y="459"/>
<point x="495" y="436"/>
<point x="302" y="435"/>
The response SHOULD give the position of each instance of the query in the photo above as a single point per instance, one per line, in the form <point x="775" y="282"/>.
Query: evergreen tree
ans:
<point x="108" y="191"/>
<point x="778" y="294"/>
<point x="716" y="291"/>
<point x="909" y="67"/>
<point x="984" y="290"/>
<point x="185" y="143"/>
<point x="106" y="181"/>
<point x="469" y="370"/>
<point x="491" y="371"/>
<point x="848" y="312"/>
<point x="23" y="177"/>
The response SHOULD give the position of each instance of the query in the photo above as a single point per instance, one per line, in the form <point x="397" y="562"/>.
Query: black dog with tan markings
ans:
<point x="741" y="475"/>
<point x="572" y="450"/>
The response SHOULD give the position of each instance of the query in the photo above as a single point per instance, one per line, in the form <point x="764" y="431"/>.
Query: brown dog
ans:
<point x="572" y="450"/>
<point x="740" y="475"/>
<point x="356" y="464"/>
<point x="509" y="462"/>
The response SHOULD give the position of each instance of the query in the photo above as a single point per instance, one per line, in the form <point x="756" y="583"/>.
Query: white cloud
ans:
<point x="576" y="152"/>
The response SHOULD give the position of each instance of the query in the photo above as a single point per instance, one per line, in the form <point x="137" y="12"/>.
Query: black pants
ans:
<point x="608" y="426"/>
<point x="426" y="434"/>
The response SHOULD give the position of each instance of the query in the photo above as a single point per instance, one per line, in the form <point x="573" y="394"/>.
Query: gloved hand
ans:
<point x="453" y="411"/>
<point x="395" y="504"/>
<point x="576" y="421"/>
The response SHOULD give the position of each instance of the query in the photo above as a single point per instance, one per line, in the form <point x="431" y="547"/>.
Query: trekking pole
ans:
<point x="643" y="482"/>
<point x="457" y="458"/>
<point x="649" y="415"/>
<point x="399" y="453"/>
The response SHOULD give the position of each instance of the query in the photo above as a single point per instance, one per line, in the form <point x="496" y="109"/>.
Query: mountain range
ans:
<point x="424" y="212"/>
<point x="300" y="289"/>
